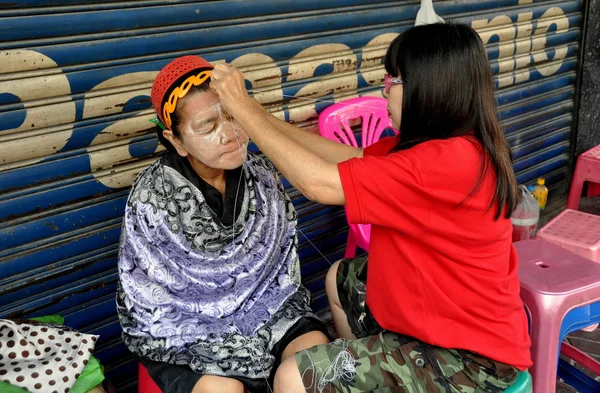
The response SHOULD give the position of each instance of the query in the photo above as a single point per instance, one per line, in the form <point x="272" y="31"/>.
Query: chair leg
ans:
<point x="350" y="245"/>
<point x="576" y="188"/>
<point x="545" y="336"/>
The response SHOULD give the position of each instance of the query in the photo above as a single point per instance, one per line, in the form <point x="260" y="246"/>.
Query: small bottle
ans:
<point x="540" y="193"/>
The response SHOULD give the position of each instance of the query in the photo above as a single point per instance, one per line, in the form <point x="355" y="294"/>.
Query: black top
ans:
<point x="222" y="207"/>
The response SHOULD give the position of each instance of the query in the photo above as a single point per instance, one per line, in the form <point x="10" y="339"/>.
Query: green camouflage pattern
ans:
<point x="390" y="363"/>
<point x="350" y="287"/>
<point x="352" y="292"/>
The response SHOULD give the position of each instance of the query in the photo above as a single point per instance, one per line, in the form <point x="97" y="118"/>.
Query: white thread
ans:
<point x="325" y="101"/>
<point x="342" y="367"/>
<point x="201" y="116"/>
<point x="216" y="136"/>
<point x="243" y="156"/>
<point x="315" y="247"/>
<point x="262" y="366"/>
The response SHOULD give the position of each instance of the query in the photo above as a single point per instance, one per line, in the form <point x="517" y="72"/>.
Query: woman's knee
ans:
<point x="287" y="378"/>
<point x="303" y="342"/>
<point x="215" y="384"/>
<point x="331" y="282"/>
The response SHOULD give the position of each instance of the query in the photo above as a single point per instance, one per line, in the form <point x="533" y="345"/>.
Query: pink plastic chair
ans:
<point x="561" y="292"/>
<point x="576" y="231"/>
<point x="586" y="170"/>
<point x="334" y="124"/>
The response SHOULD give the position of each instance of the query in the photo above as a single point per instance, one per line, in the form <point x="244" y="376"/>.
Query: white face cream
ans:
<point x="209" y="134"/>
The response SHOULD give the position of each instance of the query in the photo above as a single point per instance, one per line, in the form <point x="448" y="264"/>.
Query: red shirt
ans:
<point x="440" y="268"/>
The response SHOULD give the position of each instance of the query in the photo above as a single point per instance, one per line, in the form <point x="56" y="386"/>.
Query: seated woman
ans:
<point x="210" y="296"/>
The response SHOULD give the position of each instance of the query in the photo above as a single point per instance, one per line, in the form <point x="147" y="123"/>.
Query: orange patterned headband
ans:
<point x="180" y="92"/>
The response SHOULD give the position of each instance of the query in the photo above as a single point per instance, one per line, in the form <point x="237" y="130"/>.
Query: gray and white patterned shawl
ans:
<point x="195" y="292"/>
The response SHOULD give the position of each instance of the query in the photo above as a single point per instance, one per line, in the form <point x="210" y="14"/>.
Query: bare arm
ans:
<point x="327" y="149"/>
<point x="316" y="178"/>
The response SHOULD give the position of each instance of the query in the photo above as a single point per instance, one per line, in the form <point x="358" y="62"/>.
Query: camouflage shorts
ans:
<point x="389" y="362"/>
<point x="352" y="292"/>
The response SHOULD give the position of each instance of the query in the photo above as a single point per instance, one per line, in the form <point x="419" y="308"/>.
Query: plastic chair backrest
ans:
<point x="522" y="384"/>
<point x="334" y="124"/>
<point x="334" y="121"/>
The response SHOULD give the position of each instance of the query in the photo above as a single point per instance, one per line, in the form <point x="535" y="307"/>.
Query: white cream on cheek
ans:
<point x="207" y="141"/>
<point x="215" y="132"/>
<point x="216" y="136"/>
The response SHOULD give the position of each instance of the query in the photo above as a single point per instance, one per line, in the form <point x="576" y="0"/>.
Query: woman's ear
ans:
<point x="168" y="134"/>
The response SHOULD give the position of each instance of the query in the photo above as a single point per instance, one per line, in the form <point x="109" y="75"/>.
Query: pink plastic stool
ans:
<point x="561" y="292"/>
<point x="576" y="231"/>
<point x="334" y="124"/>
<point x="145" y="382"/>
<point x="586" y="170"/>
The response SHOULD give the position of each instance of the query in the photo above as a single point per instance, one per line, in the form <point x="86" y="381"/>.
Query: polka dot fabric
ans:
<point x="41" y="358"/>
<point x="169" y="74"/>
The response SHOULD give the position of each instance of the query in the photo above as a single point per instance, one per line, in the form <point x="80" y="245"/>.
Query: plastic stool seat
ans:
<point x="576" y="231"/>
<point x="561" y="292"/>
<point x="522" y="384"/>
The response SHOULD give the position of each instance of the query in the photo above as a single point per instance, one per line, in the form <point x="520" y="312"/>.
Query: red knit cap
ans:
<point x="169" y="74"/>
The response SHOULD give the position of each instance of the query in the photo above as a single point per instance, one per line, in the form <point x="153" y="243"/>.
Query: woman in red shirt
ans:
<point x="442" y="310"/>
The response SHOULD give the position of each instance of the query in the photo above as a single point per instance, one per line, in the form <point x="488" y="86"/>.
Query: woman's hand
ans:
<point x="228" y="83"/>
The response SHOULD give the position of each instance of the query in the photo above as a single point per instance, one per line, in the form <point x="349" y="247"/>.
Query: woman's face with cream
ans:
<point x="207" y="133"/>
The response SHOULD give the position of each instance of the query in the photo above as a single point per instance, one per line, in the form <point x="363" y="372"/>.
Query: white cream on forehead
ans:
<point x="215" y="113"/>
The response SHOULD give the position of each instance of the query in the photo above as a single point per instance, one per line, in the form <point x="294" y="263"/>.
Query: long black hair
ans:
<point x="448" y="92"/>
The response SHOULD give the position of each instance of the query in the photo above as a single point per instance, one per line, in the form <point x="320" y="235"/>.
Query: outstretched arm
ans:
<point x="315" y="177"/>
<point x="327" y="149"/>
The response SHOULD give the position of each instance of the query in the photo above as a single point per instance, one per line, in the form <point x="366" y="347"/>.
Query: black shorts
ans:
<point x="171" y="378"/>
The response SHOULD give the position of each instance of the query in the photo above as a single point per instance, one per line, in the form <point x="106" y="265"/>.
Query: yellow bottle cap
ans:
<point x="541" y="181"/>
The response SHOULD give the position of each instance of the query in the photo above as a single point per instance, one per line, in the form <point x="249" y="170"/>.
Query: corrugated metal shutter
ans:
<point x="74" y="109"/>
